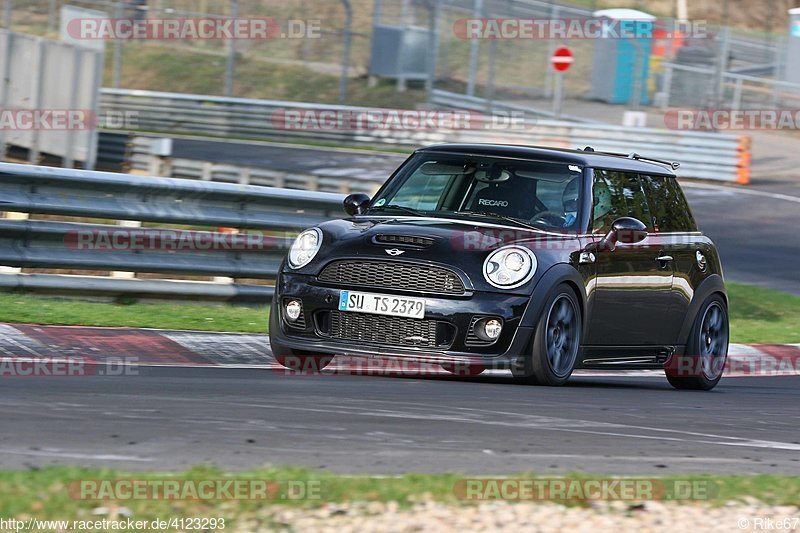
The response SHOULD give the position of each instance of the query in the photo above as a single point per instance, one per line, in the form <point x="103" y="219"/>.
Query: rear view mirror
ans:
<point x="626" y="230"/>
<point x="356" y="203"/>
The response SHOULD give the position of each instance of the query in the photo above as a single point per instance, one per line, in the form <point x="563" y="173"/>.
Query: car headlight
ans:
<point x="509" y="267"/>
<point x="305" y="247"/>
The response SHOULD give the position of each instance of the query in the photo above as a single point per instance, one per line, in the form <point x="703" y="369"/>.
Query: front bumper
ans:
<point x="456" y="311"/>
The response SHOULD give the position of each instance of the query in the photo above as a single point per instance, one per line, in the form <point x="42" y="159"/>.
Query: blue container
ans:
<point x="615" y="59"/>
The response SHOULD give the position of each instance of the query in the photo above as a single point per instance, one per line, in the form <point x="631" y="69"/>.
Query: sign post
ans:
<point x="561" y="60"/>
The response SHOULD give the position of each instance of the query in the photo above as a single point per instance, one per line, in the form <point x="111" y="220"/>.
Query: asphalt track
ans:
<point x="250" y="413"/>
<point x="754" y="227"/>
<point x="173" y="418"/>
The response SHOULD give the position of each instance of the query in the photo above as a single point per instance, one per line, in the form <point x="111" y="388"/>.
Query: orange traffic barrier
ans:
<point x="743" y="168"/>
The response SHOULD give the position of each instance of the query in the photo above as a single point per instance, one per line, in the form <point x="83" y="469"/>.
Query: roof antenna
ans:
<point x="588" y="149"/>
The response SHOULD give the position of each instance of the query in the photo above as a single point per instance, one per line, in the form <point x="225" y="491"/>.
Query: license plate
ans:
<point x="381" y="304"/>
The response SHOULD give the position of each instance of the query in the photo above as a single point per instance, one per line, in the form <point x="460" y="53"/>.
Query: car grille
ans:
<point x="388" y="330"/>
<point x="392" y="275"/>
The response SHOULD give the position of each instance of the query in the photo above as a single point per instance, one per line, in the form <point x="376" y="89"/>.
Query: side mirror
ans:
<point x="356" y="203"/>
<point x="626" y="230"/>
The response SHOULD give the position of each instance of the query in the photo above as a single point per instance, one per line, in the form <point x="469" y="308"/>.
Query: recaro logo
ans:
<point x="493" y="203"/>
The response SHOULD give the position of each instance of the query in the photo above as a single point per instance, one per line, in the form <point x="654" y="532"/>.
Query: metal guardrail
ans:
<point x="44" y="244"/>
<point x="711" y="156"/>
<point x="703" y="155"/>
<point x="463" y="101"/>
<point x="142" y="160"/>
<point x="216" y="116"/>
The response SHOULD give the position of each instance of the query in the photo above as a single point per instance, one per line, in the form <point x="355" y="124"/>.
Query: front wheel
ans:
<point x="556" y="341"/>
<point x="707" y="350"/>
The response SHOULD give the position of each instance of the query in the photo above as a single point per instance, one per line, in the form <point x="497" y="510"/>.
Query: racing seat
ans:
<point x="512" y="197"/>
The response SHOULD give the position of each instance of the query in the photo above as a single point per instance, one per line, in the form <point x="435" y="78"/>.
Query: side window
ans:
<point x="670" y="209"/>
<point x="617" y="194"/>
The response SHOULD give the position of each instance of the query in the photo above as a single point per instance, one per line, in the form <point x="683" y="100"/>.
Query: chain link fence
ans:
<point x="508" y="70"/>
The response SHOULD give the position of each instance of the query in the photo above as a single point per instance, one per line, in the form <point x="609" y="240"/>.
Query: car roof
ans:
<point x="575" y="157"/>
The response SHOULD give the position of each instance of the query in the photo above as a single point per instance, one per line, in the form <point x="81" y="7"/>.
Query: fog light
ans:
<point x="293" y="310"/>
<point x="492" y="329"/>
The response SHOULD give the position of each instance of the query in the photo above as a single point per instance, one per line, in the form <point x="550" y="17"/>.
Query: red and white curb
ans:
<point x="151" y="347"/>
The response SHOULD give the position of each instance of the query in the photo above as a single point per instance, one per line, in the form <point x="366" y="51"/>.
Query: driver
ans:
<point x="569" y="200"/>
<point x="602" y="201"/>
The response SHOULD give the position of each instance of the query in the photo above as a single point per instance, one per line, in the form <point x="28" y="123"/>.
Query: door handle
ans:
<point x="663" y="259"/>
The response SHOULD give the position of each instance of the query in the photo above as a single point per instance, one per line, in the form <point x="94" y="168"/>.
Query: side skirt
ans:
<point x="625" y="357"/>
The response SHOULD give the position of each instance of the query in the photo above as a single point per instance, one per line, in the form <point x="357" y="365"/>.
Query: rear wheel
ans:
<point x="702" y="366"/>
<point x="556" y="341"/>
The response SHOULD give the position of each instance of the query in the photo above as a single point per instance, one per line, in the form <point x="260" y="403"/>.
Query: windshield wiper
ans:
<point x="499" y="217"/>
<point x="409" y="210"/>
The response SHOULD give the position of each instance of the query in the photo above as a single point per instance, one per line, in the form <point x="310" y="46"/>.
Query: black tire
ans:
<point x="702" y="365"/>
<point x="556" y="341"/>
<point x="300" y="362"/>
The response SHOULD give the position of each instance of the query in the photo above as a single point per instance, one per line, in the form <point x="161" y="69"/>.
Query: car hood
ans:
<point x="458" y="243"/>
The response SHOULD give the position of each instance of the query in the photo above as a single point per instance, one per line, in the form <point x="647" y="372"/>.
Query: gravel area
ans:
<point x="545" y="517"/>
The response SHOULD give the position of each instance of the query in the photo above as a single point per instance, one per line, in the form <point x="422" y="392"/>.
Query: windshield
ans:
<point x="528" y="193"/>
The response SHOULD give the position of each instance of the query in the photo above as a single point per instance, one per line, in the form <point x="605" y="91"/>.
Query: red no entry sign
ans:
<point x="562" y="59"/>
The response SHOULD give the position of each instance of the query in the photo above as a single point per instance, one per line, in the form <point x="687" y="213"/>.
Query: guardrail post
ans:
<point x="208" y="171"/>
<point x="13" y="216"/>
<point x="225" y="280"/>
<point x="126" y="224"/>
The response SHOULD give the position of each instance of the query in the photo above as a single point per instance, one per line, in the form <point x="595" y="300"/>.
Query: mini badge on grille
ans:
<point x="394" y="251"/>
<point x="415" y="339"/>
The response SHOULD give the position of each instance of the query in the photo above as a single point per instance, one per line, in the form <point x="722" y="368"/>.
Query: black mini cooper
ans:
<point x="536" y="260"/>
